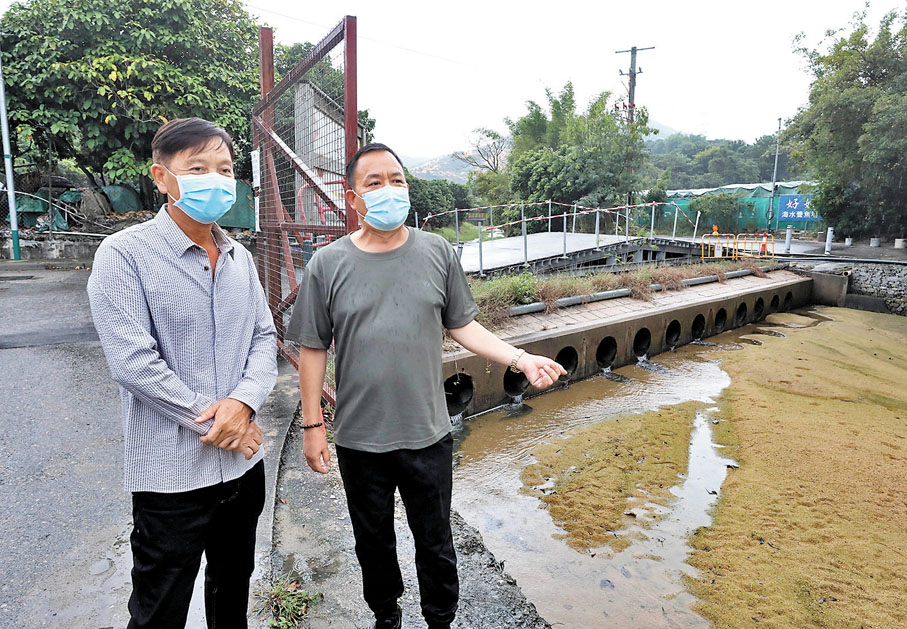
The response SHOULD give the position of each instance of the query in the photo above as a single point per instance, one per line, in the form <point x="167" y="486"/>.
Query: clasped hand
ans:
<point x="232" y="429"/>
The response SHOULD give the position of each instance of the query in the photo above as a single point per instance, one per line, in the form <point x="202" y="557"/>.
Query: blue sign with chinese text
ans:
<point x="797" y="207"/>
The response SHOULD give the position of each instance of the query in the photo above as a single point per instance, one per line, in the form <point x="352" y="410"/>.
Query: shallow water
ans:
<point x="641" y="586"/>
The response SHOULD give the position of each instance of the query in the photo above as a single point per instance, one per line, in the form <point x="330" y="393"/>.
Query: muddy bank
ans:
<point x="313" y="540"/>
<point x="810" y="531"/>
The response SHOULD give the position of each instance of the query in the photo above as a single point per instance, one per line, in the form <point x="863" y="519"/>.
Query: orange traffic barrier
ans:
<point x="756" y="245"/>
<point x="717" y="246"/>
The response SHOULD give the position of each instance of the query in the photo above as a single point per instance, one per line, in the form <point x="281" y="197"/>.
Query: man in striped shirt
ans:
<point x="188" y="336"/>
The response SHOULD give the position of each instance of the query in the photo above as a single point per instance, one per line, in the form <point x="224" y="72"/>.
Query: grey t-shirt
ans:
<point x="384" y="312"/>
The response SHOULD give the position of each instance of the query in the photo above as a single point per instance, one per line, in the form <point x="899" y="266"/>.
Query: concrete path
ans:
<point x="65" y="523"/>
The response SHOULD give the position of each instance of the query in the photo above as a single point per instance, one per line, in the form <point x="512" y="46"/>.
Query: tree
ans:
<point x="99" y="77"/>
<point x="430" y="196"/>
<point x="852" y="136"/>
<point x="489" y="151"/>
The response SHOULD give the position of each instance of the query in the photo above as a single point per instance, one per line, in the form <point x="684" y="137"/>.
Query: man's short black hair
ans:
<point x="368" y="148"/>
<point x="186" y="133"/>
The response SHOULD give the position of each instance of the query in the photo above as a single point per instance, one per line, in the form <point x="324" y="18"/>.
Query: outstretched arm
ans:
<point x="541" y="371"/>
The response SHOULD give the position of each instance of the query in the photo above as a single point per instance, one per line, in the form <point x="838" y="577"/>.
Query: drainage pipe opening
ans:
<point x="720" y="320"/>
<point x="458" y="392"/>
<point x="568" y="359"/>
<point x="740" y="318"/>
<point x="641" y="342"/>
<point x="515" y="384"/>
<point x="672" y="334"/>
<point x="788" y="301"/>
<point x="698" y="328"/>
<point x="759" y="310"/>
<point x="774" y="304"/>
<point x="606" y="352"/>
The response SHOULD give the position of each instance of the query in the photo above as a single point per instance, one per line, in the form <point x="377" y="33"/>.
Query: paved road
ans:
<point x="65" y="521"/>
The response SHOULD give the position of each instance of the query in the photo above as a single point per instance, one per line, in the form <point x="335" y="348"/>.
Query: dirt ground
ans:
<point x="810" y="531"/>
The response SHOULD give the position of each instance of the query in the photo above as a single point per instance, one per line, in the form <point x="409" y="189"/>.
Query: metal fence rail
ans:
<point x="305" y="129"/>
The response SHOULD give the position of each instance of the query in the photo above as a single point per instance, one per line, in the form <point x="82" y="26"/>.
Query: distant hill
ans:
<point x="443" y="167"/>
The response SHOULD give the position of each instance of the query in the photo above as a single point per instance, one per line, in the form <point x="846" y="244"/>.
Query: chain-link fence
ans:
<point x="304" y="130"/>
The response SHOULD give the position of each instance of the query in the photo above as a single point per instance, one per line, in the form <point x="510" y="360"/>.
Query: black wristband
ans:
<point x="307" y="426"/>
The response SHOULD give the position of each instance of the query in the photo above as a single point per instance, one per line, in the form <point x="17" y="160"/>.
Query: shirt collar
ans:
<point x="180" y="242"/>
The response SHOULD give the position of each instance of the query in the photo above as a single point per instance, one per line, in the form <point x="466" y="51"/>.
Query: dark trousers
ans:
<point x="171" y="533"/>
<point x="424" y="478"/>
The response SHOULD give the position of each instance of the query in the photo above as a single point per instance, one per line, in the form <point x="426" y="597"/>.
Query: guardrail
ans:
<point x="717" y="246"/>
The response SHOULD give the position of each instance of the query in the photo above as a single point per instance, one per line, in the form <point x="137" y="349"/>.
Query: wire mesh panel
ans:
<point x="305" y="130"/>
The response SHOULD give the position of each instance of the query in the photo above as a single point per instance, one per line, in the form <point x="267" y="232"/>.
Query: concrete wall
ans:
<point x="473" y="384"/>
<point x="886" y="281"/>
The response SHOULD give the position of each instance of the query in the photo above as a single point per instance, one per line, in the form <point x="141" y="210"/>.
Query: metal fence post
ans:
<point x="787" y="238"/>
<point x="457" y="224"/>
<point x="597" y="218"/>
<point x="481" y="271"/>
<point x="674" y="233"/>
<point x="491" y="220"/>
<point x="8" y="164"/>
<point x="525" y="239"/>
<point x="574" y="219"/>
<point x="416" y="220"/>
<point x="549" y="216"/>
<point x="828" y="239"/>
<point x="616" y="223"/>
<point x="565" y="234"/>
<point x="50" y="188"/>
<point x="627" y="220"/>
<point x="652" y="228"/>
<point x="696" y="226"/>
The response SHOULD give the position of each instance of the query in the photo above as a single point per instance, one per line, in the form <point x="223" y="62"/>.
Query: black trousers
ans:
<point x="171" y="533"/>
<point x="424" y="478"/>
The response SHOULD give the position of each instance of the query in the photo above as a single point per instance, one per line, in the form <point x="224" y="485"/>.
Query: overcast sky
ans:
<point x="431" y="72"/>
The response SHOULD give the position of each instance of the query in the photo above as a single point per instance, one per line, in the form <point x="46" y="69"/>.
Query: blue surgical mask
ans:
<point x="204" y="198"/>
<point x="387" y="207"/>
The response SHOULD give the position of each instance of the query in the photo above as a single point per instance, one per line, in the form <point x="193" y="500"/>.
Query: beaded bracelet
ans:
<point x="307" y="426"/>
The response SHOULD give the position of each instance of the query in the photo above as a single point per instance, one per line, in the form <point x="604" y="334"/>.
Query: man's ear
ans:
<point x="350" y="197"/>
<point x="157" y="173"/>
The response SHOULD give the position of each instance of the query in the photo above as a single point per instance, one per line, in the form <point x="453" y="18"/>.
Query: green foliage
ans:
<point x="433" y="196"/>
<point x="99" y="77"/>
<point x="692" y="161"/>
<point x="591" y="158"/>
<point x="852" y="137"/>
<point x="717" y="209"/>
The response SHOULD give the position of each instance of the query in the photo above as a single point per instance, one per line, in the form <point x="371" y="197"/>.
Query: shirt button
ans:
<point x="207" y="268"/>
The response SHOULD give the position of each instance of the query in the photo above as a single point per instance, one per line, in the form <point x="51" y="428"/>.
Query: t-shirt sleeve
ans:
<point x="310" y="324"/>
<point x="460" y="307"/>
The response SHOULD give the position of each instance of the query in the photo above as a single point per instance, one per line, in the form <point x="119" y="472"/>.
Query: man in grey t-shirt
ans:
<point x="383" y="296"/>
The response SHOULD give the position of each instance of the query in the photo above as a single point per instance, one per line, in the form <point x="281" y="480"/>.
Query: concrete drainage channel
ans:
<point x="472" y="385"/>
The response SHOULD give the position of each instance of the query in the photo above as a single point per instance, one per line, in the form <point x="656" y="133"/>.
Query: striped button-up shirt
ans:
<point x="177" y="339"/>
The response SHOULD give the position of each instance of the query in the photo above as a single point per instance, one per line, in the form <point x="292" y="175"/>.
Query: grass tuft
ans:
<point x="284" y="603"/>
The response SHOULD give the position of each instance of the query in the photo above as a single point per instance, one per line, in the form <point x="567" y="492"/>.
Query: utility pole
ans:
<point x="632" y="106"/>
<point x="771" y="207"/>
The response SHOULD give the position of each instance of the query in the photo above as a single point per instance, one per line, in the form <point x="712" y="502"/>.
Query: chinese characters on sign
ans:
<point x="796" y="207"/>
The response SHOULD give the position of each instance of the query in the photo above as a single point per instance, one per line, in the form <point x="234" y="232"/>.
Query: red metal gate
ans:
<point x="304" y="130"/>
